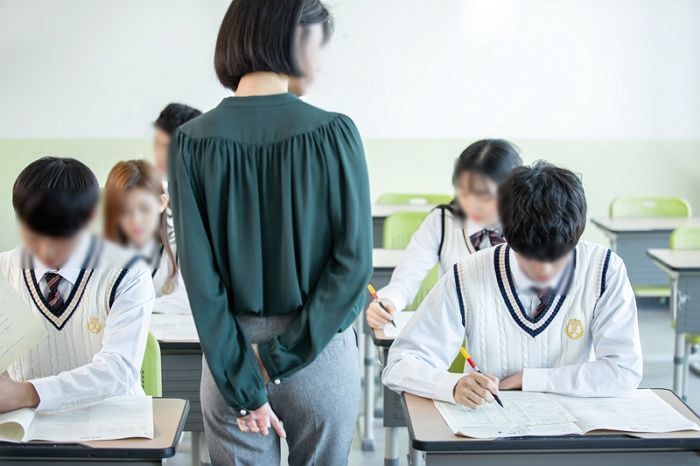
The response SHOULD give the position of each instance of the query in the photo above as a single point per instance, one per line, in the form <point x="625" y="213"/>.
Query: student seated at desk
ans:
<point x="452" y="232"/>
<point x="136" y="216"/>
<point x="545" y="312"/>
<point x="94" y="298"/>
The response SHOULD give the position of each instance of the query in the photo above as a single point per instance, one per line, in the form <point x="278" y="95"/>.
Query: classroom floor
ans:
<point x="657" y="347"/>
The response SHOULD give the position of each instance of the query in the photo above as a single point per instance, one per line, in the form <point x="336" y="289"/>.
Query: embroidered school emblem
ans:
<point x="574" y="329"/>
<point x="94" y="325"/>
<point x="168" y="287"/>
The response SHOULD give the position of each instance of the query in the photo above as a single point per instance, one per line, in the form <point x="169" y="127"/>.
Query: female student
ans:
<point x="93" y="297"/>
<point x="454" y="231"/>
<point x="544" y="312"/>
<point x="271" y="204"/>
<point x="136" y="216"/>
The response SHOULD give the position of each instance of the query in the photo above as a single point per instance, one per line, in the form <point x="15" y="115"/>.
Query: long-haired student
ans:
<point x="94" y="297"/>
<point x="544" y="312"/>
<point x="135" y="215"/>
<point x="452" y="232"/>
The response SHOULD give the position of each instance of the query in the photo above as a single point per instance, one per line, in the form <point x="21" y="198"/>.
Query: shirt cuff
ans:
<point x="50" y="394"/>
<point x="536" y="379"/>
<point x="445" y="386"/>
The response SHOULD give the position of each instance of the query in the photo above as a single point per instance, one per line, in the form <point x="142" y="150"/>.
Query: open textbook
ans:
<point x="528" y="413"/>
<point x="20" y="329"/>
<point x="111" y="419"/>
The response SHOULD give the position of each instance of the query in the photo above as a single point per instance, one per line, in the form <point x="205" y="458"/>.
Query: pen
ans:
<point x="463" y="351"/>
<point x="374" y="294"/>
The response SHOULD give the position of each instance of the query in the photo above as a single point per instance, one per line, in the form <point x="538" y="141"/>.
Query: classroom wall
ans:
<point x="609" y="89"/>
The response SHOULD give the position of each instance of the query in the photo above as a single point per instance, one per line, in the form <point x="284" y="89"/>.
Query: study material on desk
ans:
<point x="174" y="328"/>
<point x="20" y="328"/>
<point x="400" y="319"/>
<point x="111" y="419"/>
<point x="538" y="414"/>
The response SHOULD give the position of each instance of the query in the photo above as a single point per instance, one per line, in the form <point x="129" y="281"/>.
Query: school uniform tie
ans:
<point x="494" y="237"/>
<point x="54" y="298"/>
<point x="545" y="296"/>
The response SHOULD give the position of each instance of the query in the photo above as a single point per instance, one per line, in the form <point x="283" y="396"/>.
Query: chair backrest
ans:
<point x="428" y="283"/>
<point x="414" y="199"/>
<point x="399" y="228"/>
<point x="151" y="375"/>
<point x="685" y="238"/>
<point x="629" y="206"/>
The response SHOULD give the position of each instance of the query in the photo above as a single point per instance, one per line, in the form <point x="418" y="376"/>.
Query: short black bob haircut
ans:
<point x="493" y="159"/>
<point x="259" y="35"/>
<point x="55" y="196"/>
<point x="543" y="211"/>
<point x="174" y="115"/>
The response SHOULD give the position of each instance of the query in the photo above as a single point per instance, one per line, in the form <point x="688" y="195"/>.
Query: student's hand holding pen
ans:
<point x="377" y="317"/>
<point x="475" y="389"/>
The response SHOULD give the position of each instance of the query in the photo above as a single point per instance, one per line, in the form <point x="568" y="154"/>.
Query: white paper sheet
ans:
<point x="20" y="328"/>
<point x="15" y="425"/>
<point x="111" y="419"/>
<point x="642" y="412"/>
<point x="400" y="319"/>
<point x="523" y="414"/>
<point x="174" y="328"/>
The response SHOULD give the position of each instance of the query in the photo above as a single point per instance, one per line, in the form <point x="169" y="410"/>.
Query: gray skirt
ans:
<point x="318" y="406"/>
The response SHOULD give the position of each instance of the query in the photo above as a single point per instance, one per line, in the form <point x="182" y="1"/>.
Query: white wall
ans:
<point x="587" y="69"/>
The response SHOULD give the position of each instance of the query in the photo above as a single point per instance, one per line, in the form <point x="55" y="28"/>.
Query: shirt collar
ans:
<point x="523" y="284"/>
<point x="474" y="227"/>
<point x="73" y="266"/>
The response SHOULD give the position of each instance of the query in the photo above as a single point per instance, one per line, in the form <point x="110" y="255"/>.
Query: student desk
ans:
<point x="631" y="237"/>
<point x="432" y="441"/>
<point x="683" y="268"/>
<point x="381" y="211"/>
<point x="384" y="262"/>
<point x="168" y="417"/>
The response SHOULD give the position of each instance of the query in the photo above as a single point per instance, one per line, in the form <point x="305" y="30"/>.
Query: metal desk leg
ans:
<point x="679" y="358"/>
<point x="415" y="457"/>
<point x="391" y="446"/>
<point x="195" y="441"/>
<point x="370" y="363"/>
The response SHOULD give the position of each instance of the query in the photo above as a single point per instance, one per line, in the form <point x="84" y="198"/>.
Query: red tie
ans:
<point x="544" y="295"/>
<point x="478" y="237"/>
<point x="54" y="298"/>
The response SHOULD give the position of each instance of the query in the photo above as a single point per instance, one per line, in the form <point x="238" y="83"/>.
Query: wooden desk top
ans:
<point x="169" y="417"/>
<point x="677" y="260"/>
<point x="384" y="210"/>
<point x="386" y="258"/>
<point x="429" y="432"/>
<point x="641" y="225"/>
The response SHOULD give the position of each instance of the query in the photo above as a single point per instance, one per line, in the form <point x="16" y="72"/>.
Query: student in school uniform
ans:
<point x="452" y="232"/>
<point x="544" y="312"/>
<point x="135" y="216"/>
<point x="169" y="119"/>
<point x="94" y="298"/>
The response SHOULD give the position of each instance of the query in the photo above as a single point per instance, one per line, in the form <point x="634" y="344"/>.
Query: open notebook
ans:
<point x="528" y="413"/>
<point x="111" y="419"/>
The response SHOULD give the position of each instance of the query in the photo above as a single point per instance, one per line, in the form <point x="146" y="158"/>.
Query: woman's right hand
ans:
<point x="260" y="421"/>
<point x="377" y="317"/>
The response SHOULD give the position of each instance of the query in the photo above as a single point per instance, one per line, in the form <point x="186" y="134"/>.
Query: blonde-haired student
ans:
<point x="94" y="297"/>
<point x="544" y="312"/>
<point x="135" y="215"/>
<point x="452" y="232"/>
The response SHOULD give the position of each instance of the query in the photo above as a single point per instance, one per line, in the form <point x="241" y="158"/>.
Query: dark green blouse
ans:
<point x="271" y="206"/>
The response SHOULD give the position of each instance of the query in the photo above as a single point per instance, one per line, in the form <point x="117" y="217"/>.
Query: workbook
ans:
<point x="174" y="328"/>
<point x="537" y="414"/>
<point x="111" y="419"/>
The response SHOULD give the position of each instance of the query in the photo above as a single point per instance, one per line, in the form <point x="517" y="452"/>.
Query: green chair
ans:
<point x="686" y="238"/>
<point x="649" y="206"/>
<point x="644" y="207"/>
<point x="399" y="228"/>
<point x="414" y="199"/>
<point x="151" y="376"/>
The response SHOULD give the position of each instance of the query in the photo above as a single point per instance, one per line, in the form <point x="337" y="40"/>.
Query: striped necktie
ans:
<point x="545" y="296"/>
<point x="494" y="237"/>
<point x="54" y="298"/>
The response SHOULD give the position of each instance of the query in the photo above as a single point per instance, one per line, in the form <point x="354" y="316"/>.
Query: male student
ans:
<point x="544" y="312"/>
<point x="94" y="298"/>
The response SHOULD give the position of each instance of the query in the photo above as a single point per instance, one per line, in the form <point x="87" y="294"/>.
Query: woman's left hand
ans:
<point x="512" y="382"/>
<point x="16" y="395"/>
<point x="260" y="421"/>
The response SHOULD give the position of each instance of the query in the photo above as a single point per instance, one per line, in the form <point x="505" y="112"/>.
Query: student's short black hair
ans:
<point x="173" y="115"/>
<point x="55" y="196"/>
<point x="543" y="211"/>
<point x="259" y="35"/>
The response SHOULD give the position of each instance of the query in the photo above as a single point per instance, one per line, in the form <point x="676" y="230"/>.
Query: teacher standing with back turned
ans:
<point x="272" y="216"/>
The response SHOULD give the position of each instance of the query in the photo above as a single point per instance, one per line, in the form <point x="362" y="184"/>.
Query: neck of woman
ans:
<point x="262" y="83"/>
